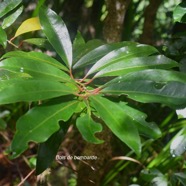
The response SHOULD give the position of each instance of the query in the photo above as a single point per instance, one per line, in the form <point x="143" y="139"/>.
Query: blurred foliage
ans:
<point x="88" y="16"/>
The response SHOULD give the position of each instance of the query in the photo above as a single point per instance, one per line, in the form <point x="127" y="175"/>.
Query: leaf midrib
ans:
<point x="46" y="61"/>
<point x="124" y="92"/>
<point x="126" y="68"/>
<point x="99" y="67"/>
<point x="39" y="72"/>
<point x="28" y="133"/>
<point x="106" y="110"/>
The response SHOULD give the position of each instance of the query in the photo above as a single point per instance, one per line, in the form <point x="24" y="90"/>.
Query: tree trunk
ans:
<point x="150" y="17"/>
<point x="113" y="25"/>
<point x="90" y="172"/>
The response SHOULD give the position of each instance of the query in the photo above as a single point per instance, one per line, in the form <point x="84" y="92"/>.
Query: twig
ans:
<point x="10" y="42"/>
<point x="127" y="159"/>
<point x="26" y="178"/>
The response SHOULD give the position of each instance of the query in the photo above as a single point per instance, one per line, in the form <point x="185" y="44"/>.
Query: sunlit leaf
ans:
<point x="97" y="53"/>
<point x="122" y="54"/>
<point x="29" y="25"/>
<point x="8" y="5"/>
<point x="4" y="113"/>
<point x="39" y="123"/>
<point x="16" y="90"/>
<point x="181" y="113"/>
<point x="149" y="174"/>
<point x="9" y="20"/>
<point x="159" y="181"/>
<point x="84" y="49"/>
<point x="164" y="157"/>
<point x="178" y="145"/>
<point x="118" y="121"/>
<point x="57" y="34"/>
<point x="88" y="127"/>
<point x="179" y="13"/>
<point x="3" y="38"/>
<point x="181" y="177"/>
<point x="136" y="64"/>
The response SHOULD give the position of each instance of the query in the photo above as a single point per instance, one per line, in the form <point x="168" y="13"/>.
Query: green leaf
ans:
<point x="36" y="10"/>
<point x="78" y="41"/>
<point x="7" y="6"/>
<point x="181" y="113"/>
<point x="35" y="68"/>
<point x="9" y="20"/>
<point x="39" y="123"/>
<point x="3" y="38"/>
<point x="40" y="42"/>
<point x="92" y="56"/>
<point x="83" y="49"/>
<point x="163" y="157"/>
<point x="122" y="54"/>
<point x="148" y="129"/>
<point x="36" y="56"/>
<point x="118" y="121"/>
<point x="7" y="75"/>
<point x="158" y="75"/>
<point x="16" y="90"/>
<point x="181" y="177"/>
<point x="97" y="53"/>
<point x="3" y="124"/>
<point x="88" y="127"/>
<point x="48" y="149"/>
<point x="57" y="34"/>
<point x="136" y="64"/>
<point x="179" y="13"/>
<point x="178" y="145"/>
<point x="146" y="86"/>
<point x="149" y="174"/>
<point x="159" y="181"/>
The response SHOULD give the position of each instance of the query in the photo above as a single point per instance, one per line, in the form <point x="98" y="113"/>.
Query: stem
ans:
<point x="12" y="39"/>
<point x="20" y="44"/>
<point x="9" y="41"/>
<point x="71" y="75"/>
<point x="84" y="78"/>
<point x="26" y="178"/>
<point x="96" y="91"/>
<point x="88" y="106"/>
<point x="89" y="81"/>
